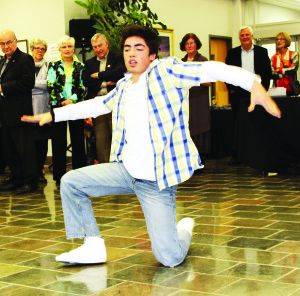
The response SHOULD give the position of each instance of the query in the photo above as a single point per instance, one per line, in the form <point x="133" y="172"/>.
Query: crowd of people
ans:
<point x="69" y="81"/>
<point x="141" y="120"/>
<point x="41" y="86"/>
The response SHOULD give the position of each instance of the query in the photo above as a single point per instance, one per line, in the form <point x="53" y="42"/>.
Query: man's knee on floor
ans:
<point x="167" y="259"/>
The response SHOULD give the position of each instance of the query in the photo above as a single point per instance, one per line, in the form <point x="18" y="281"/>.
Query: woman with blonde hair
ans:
<point x="284" y="63"/>
<point x="65" y="87"/>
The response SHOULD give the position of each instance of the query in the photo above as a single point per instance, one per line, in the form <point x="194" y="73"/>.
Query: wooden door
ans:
<point x="218" y="49"/>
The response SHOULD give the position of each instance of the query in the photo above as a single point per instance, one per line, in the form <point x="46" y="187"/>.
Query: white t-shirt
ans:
<point x="138" y="155"/>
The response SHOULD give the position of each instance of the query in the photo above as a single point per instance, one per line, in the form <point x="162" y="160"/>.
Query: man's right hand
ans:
<point x="259" y="96"/>
<point x="40" y="118"/>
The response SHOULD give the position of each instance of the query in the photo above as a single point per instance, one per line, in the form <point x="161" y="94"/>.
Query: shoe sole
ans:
<point x="81" y="263"/>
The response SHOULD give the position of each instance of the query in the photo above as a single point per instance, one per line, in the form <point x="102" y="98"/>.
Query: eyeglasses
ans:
<point x="191" y="43"/>
<point x="280" y="39"/>
<point x="67" y="46"/>
<point x="40" y="49"/>
<point x="8" y="43"/>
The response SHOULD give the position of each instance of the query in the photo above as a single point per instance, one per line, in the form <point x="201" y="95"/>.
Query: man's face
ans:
<point x="100" y="48"/>
<point x="136" y="56"/>
<point x="8" y="43"/>
<point x="246" y="38"/>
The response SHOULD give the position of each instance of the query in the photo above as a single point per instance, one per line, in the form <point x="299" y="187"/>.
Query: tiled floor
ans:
<point x="246" y="241"/>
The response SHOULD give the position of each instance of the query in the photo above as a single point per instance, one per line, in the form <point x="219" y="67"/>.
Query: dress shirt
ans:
<point x="248" y="59"/>
<point x="102" y="67"/>
<point x="3" y="68"/>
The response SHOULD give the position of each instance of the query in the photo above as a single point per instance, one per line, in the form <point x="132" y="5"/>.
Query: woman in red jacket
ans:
<point x="284" y="63"/>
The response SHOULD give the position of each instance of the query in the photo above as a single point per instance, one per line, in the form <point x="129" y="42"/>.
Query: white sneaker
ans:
<point x="90" y="252"/>
<point x="186" y="224"/>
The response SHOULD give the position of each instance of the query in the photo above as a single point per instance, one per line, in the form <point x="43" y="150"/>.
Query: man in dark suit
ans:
<point x="100" y="76"/>
<point x="17" y="78"/>
<point x="252" y="58"/>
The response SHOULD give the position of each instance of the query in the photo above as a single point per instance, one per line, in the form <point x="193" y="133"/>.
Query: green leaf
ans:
<point x="81" y="4"/>
<point x="113" y="15"/>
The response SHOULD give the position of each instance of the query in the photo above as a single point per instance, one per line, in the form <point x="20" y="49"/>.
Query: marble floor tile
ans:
<point x="253" y="243"/>
<point x="199" y="282"/>
<point x="254" y="256"/>
<point x="247" y="287"/>
<point x="246" y="240"/>
<point x="257" y="271"/>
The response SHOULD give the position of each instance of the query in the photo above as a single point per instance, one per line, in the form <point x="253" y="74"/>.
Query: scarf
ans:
<point x="280" y="62"/>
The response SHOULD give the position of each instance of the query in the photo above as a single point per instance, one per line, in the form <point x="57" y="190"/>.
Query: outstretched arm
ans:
<point x="85" y="109"/>
<point x="213" y="71"/>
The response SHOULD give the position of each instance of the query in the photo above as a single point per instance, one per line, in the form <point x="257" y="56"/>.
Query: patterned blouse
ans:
<point x="61" y="88"/>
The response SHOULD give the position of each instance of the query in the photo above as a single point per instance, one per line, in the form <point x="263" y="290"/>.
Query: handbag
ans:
<point x="295" y="87"/>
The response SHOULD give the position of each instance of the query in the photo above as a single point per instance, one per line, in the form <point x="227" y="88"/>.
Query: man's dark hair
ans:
<point x="187" y="37"/>
<point x="150" y="37"/>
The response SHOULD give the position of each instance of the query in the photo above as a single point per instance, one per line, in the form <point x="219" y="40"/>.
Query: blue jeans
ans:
<point x="159" y="207"/>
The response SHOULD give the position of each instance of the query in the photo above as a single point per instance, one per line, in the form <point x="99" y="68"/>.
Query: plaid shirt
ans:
<point x="175" y="155"/>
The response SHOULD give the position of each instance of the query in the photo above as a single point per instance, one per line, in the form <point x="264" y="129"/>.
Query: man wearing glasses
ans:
<point x="17" y="77"/>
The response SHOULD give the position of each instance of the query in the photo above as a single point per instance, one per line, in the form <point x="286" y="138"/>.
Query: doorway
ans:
<point x="218" y="47"/>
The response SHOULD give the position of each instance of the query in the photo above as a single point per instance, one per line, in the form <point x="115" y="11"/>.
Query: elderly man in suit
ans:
<point x="100" y="76"/>
<point x="252" y="58"/>
<point x="17" y="78"/>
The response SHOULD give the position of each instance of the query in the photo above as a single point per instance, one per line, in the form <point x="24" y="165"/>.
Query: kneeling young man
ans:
<point x="152" y="151"/>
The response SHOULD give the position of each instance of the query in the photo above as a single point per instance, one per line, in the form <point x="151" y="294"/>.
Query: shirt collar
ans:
<point x="104" y="58"/>
<point x="75" y="59"/>
<point x="252" y="47"/>
<point x="6" y="59"/>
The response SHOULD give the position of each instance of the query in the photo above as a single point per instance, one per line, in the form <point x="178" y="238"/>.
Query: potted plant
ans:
<point x="112" y="16"/>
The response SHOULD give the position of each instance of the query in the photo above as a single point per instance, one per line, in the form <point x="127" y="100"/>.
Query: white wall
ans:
<point x="202" y="17"/>
<point x="270" y="13"/>
<point x="31" y="18"/>
<point x="267" y="13"/>
<point x="267" y="20"/>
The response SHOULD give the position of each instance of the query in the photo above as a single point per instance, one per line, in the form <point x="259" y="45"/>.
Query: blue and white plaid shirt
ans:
<point x="175" y="155"/>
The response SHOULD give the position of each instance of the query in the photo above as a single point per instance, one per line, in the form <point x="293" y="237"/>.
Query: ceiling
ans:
<point x="293" y="4"/>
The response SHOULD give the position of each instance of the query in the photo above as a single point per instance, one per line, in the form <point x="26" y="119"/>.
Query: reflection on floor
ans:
<point x="246" y="241"/>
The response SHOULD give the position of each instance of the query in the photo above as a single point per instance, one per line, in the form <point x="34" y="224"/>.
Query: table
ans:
<point x="265" y="142"/>
<point x="221" y="132"/>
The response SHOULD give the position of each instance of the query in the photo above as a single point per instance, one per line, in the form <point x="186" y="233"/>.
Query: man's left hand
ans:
<point x="0" y="89"/>
<point x="95" y="75"/>
<point x="259" y="96"/>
